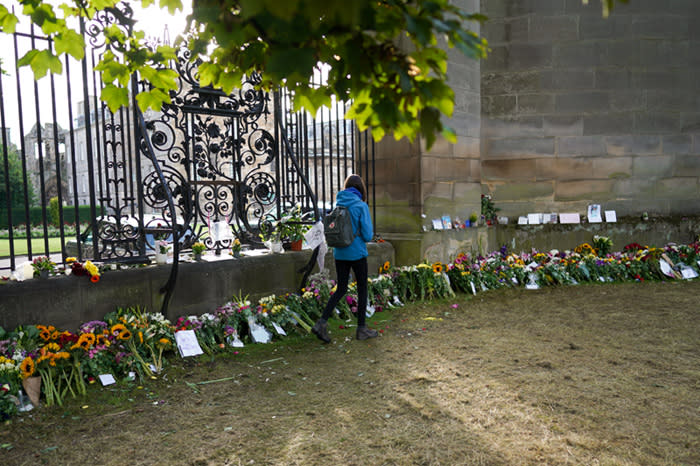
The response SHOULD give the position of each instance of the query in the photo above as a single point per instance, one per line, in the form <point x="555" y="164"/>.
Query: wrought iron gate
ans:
<point x="208" y="167"/>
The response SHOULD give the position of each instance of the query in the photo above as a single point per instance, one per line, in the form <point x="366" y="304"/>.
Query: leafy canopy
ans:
<point x="387" y="56"/>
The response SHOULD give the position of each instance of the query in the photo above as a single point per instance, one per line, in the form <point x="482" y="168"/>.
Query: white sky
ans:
<point x="152" y="21"/>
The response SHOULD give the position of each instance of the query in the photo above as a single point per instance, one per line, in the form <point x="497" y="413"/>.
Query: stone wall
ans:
<point x="67" y="302"/>
<point x="578" y="109"/>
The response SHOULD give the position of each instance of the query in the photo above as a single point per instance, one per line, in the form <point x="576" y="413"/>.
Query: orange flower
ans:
<point x="95" y="278"/>
<point x="125" y="335"/>
<point x="45" y="334"/>
<point x="386" y="267"/>
<point x="437" y="267"/>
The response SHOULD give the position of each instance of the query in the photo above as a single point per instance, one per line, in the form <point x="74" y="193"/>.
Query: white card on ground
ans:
<point x="666" y="269"/>
<point x="278" y="329"/>
<point x="473" y="288"/>
<point x="187" y="343"/>
<point x="258" y="333"/>
<point x="570" y="218"/>
<point x="688" y="272"/>
<point x="610" y="216"/>
<point x="106" y="379"/>
<point x="235" y="341"/>
<point x="532" y="282"/>
<point x="370" y="311"/>
<point x="534" y="219"/>
<point x="522" y="220"/>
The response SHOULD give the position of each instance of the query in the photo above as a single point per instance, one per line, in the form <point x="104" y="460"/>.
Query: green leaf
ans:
<point x="208" y="73"/>
<point x="113" y="70"/>
<point x="229" y="81"/>
<point x="310" y="99"/>
<point x="449" y="134"/>
<point x="430" y="125"/>
<point x="294" y="64"/>
<point x="173" y="5"/>
<point x="164" y="78"/>
<point x="153" y="99"/>
<point x="115" y="97"/>
<point x="41" y="62"/>
<point x="8" y="21"/>
<point x="70" y="42"/>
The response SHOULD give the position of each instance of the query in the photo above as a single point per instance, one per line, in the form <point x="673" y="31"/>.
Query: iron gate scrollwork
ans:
<point x="218" y="156"/>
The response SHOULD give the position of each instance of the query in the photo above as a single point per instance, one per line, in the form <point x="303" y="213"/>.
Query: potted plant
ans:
<point x="236" y="248"/>
<point x="42" y="266"/>
<point x="270" y="236"/>
<point x="162" y="249"/>
<point x="292" y="228"/>
<point x="472" y="219"/>
<point x="197" y="249"/>
<point x="488" y="209"/>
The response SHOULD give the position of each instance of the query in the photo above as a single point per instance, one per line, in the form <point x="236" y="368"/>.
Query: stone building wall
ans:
<point x="578" y="109"/>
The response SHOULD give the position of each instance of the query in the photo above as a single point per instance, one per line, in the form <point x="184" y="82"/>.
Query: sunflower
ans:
<point x="125" y="335"/>
<point x="27" y="367"/>
<point x="85" y="341"/>
<point x="437" y="267"/>
<point x="386" y="266"/>
<point x="52" y="347"/>
<point x="101" y="339"/>
<point x="117" y="329"/>
<point x="44" y="334"/>
<point x="164" y="342"/>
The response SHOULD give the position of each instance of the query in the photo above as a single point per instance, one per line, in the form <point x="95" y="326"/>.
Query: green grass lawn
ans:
<point x="37" y="246"/>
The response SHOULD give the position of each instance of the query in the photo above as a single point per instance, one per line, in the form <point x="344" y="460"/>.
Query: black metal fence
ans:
<point x="79" y="180"/>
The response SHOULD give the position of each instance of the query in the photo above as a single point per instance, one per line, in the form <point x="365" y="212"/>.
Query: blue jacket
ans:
<point x="361" y="225"/>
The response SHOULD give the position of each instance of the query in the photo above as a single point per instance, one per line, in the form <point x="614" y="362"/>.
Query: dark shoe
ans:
<point x="320" y="329"/>
<point x="364" y="333"/>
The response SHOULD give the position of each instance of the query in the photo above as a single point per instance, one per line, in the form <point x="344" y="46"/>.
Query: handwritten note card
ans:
<point x="187" y="343"/>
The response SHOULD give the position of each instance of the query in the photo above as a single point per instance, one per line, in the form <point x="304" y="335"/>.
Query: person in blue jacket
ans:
<point x="353" y="257"/>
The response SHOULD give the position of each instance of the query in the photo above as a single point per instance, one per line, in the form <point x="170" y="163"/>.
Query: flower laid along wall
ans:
<point x="132" y="343"/>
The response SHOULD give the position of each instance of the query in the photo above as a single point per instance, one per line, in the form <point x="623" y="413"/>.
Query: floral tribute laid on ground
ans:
<point x="42" y="365"/>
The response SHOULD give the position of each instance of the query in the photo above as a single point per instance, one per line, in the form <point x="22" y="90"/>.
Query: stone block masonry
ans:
<point x="616" y="98"/>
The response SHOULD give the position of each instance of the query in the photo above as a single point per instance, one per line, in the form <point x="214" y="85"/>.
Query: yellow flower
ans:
<point x="386" y="267"/>
<point x="70" y="260"/>
<point x="437" y="267"/>
<point x="52" y="347"/>
<point x="91" y="268"/>
<point x="164" y="342"/>
<point x="27" y="367"/>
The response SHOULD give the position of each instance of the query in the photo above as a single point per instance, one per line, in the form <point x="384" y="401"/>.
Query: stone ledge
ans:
<point x="68" y="301"/>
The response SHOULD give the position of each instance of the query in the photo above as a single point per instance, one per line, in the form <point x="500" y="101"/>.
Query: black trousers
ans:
<point x="342" y="270"/>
